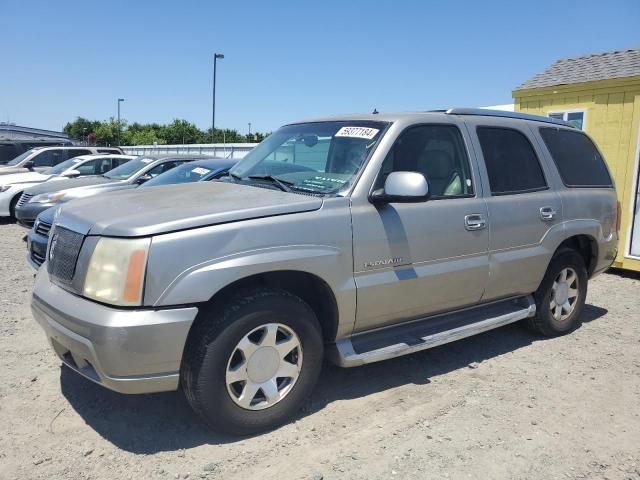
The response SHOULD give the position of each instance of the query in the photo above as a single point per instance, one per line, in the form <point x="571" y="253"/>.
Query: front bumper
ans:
<point x="129" y="351"/>
<point x="26" y="214"/>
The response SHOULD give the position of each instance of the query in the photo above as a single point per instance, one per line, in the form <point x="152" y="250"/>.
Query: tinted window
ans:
<point x="77" y="152"/>
<point x="48" y="158"/>
<point x="512" y="164"/>
<point x="185" y="173"/>
<point x="577" y="158"/>
<point x="436" y="151"/>
<point x="108" y="150"/>
<point x="164" y="167"/>
<point x="7" y="152"/>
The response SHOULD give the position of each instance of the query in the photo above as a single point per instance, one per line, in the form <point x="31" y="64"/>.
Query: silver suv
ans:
<point x="360" y="237"/>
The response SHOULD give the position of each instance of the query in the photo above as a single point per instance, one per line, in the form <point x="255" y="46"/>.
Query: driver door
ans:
<point x="416" y="259"/>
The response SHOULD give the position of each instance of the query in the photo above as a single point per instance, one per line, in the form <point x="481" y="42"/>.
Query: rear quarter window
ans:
<point x="578" y="160"/>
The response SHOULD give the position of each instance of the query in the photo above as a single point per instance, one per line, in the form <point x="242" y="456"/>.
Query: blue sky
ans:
<point x="285" y="60"/>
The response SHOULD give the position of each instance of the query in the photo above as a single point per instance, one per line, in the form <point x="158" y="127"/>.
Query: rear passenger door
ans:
<point x="522" y="207"/>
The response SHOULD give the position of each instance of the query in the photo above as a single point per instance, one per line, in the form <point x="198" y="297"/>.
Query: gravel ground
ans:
<point x="505" y="404"/>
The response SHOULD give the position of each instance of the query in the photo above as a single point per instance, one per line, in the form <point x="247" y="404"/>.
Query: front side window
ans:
<point x="88" y="168"/>
<point x="322" y="158"/>
<point x="48" y="158"/>
<point x="61" y="167"/>
<point x="436" y="151"/>
<point x="512" y="163"/>
<point x="129" y="169"/>
<point x="164" y="167"/>
<point x="183" y="174"/>
<point x="577" y="158"/>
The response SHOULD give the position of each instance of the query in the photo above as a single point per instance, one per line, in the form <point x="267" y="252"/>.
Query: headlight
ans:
<point x="116" y="271"/>
<point x="4" y="188"/>
<point x="47" y="198"/>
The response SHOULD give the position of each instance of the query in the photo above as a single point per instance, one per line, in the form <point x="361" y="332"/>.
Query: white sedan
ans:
<point x="12" y="185"/>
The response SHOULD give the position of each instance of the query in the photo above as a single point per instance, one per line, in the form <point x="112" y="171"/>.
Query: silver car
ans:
<point x="359" y="238"/>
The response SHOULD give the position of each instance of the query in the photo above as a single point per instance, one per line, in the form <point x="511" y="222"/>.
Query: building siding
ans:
<point x="612" y="119"/>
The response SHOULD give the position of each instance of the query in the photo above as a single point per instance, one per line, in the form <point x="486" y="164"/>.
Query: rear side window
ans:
<point x="512" y="163"/>
<point x="76" y="152"/>
<point x="577" y="158"/>
<point x="108" y="150"/>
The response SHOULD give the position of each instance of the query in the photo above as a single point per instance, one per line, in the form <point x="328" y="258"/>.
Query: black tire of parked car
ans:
<point x="212" y="342"/>
<point x="12" y="206"/>
<point x="544" y="322"/>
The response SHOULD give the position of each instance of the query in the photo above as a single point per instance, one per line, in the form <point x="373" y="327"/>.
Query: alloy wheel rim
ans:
<point x="264" y="366"/>
<point x="564" y="294"/>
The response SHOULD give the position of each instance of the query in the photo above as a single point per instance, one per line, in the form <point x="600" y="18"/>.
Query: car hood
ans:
<point x="26" y="177"/>
<point x="170" y="208"/>
<point x="68" y="184"/>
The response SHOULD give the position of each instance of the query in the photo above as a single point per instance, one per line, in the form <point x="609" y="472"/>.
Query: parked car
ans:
<point x="42" y="158"/>
<point x="10" y="149"/>
<point x="197" y="171"/>
<point x="130" y="175"/>
<point x="441" y="225"/>
<point x="12" y="186"/>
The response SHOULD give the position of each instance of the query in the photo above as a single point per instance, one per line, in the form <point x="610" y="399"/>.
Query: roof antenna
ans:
<point x="375" y="112"/>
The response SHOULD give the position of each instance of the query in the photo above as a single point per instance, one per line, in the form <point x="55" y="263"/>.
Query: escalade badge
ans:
<point x="381" y="263"/>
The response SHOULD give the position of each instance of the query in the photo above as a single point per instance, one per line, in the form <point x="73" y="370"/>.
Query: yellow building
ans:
<point x="599" y="94"/>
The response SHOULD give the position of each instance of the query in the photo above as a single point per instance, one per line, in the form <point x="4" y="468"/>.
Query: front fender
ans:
<point x="200" y="282"/>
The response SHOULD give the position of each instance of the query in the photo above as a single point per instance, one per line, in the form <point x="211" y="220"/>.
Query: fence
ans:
<point x="228" y="150"/>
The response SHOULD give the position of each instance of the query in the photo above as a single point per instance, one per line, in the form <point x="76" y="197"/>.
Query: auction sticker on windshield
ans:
<point x="200" y="171"/>
<point x="357" y="132"/>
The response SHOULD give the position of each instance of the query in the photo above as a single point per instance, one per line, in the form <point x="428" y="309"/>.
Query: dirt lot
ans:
<point x="505" y="404"/>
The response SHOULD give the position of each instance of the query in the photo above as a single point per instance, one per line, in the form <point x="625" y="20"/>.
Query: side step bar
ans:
<point x="410" y="337"/>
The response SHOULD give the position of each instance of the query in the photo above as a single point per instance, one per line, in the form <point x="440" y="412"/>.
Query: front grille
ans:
<point x="43" y="228"/>
<point x="24" y="198"/>
<point x="64" y="251"/>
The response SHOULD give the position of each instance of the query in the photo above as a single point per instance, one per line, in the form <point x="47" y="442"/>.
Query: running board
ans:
<point x="410" y="337"/>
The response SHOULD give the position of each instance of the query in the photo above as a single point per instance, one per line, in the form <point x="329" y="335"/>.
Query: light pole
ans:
<point x="119" y="100"/>
<point x="249" y="128"/>
<point x="84" y="135"/>
<point x="216" y="56"/>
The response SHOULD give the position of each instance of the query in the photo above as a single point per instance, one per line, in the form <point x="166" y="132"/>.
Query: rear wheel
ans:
<point x="249" y="366"/>
<point x="561" y="295"/>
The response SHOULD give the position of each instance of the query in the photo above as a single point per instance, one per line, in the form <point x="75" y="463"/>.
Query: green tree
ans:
<point x="107" y="132"/>
<point x="181" y="131"/>
<point x="80" y="128"/>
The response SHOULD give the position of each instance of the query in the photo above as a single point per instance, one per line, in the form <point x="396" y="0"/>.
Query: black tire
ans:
<point x="213" y="340"/>
<point x="544" y="321"/>
<point x="12" y="206"/>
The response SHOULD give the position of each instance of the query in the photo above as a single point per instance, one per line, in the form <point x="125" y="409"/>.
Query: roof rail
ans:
<point x="501" y="113"/>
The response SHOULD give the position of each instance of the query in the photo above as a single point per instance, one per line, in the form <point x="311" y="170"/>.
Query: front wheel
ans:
<point x="249" y="366"/>
<point x="561" y="295"/>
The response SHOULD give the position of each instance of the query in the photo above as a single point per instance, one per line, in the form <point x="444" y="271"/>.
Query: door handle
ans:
<point x="474" y="221"/>
<point x="547" y="213"/>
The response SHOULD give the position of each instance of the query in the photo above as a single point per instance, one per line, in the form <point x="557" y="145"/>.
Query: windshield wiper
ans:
<point x="284" y="185"/>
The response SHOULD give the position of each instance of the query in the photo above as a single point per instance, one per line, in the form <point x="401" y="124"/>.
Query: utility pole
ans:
<point x="216" y="56"/>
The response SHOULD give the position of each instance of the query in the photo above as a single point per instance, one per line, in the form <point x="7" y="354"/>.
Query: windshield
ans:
<point x="61" y="167"/>
<point x="320" y="158"/>
<point x="21" y="157"/>
<point x="128" y="169"/>
<point x="186" y="173"/>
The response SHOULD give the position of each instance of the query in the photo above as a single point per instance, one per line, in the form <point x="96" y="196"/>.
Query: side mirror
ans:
<point x="402" y="187"/>
<point x="143" y="178"/>
<point x="71" y="173"/>
<point x="29" y="165"/>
